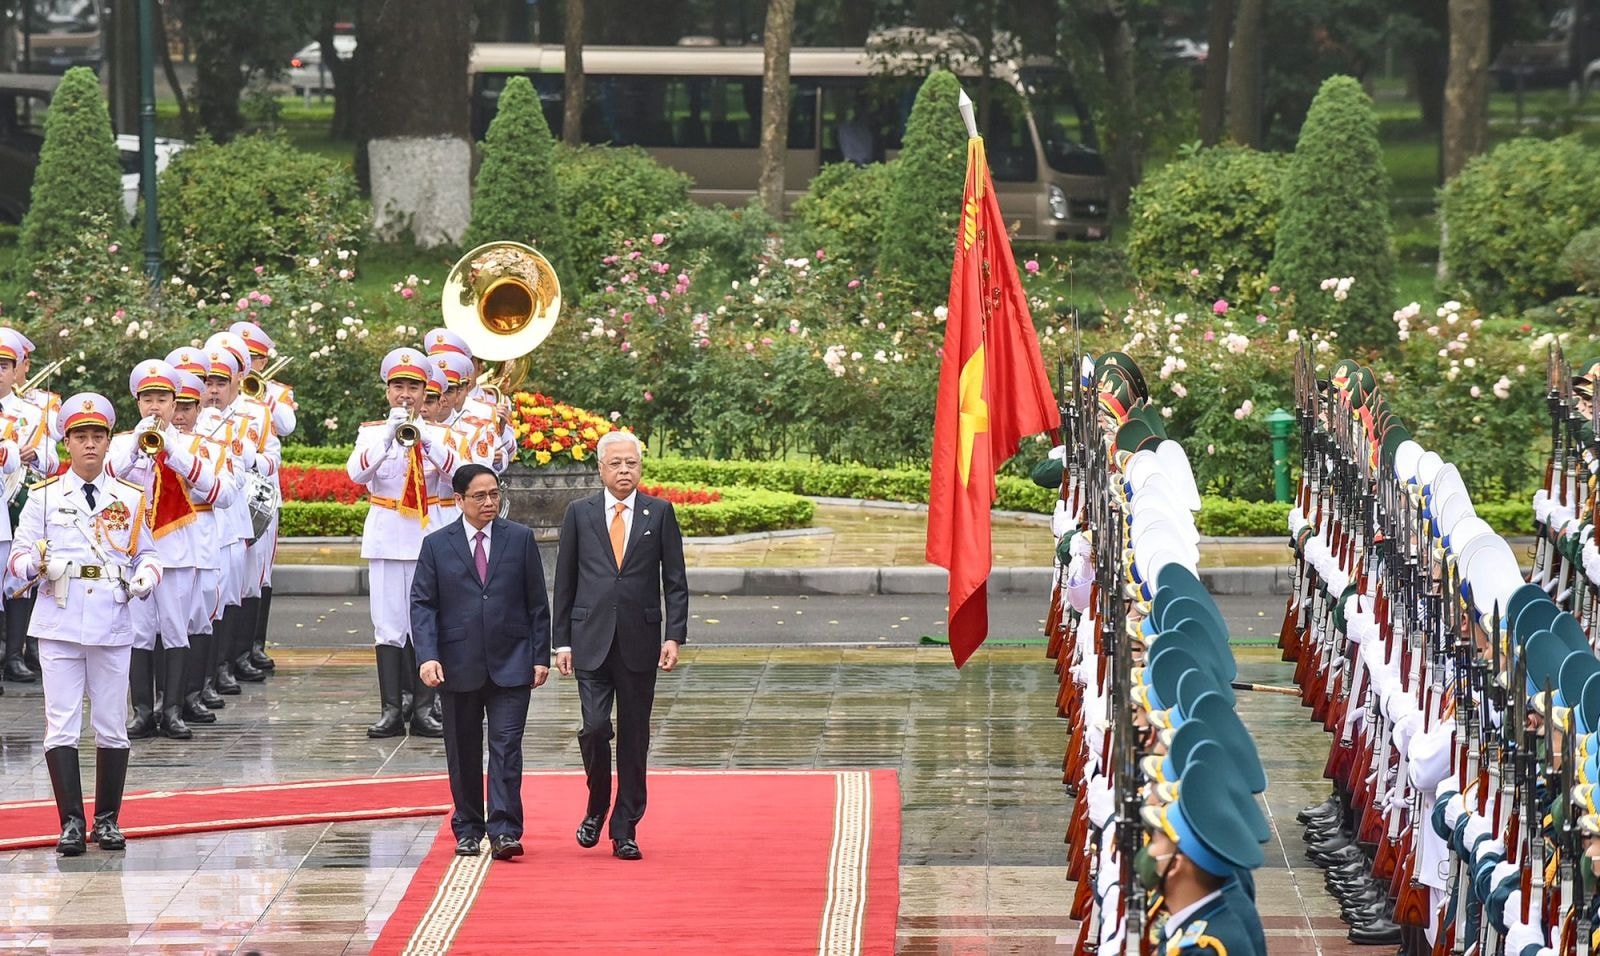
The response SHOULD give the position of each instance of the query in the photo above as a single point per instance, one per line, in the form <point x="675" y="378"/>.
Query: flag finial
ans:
<point x="965" y="102"/>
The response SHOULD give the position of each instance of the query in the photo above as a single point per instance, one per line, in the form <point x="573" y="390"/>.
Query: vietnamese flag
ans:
<point x="993" y="391"/>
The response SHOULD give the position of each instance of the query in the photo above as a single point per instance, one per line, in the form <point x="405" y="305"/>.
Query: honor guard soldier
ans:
<point x="248" y="426"/>
<point x="280" y="402"/>
<point x="27" y="425"/>
<point x="85" y="534"/>
<point x="179" y="475"/>
<point x="200" y="697"/>
<point x="396" y="459"/>
<point x="1197" y="844"/>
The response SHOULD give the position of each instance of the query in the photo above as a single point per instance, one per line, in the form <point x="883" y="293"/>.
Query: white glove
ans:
<point x="1080" y="546"/>
<point x="145" y="424"/>
<point x="1522" y="934"/>
<point x="246" y="454"/>
<point x="142" y="583"/>
<point x="57" y="568"/>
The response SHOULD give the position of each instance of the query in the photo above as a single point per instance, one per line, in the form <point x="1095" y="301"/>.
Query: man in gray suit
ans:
<point x="620" y="556"/>
<point x="482" y="632"/>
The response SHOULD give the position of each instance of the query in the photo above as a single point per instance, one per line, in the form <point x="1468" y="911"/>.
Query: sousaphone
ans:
<point x="502" y="298"/>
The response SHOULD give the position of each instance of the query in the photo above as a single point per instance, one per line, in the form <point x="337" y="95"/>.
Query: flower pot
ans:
<point x="538" y="497"/>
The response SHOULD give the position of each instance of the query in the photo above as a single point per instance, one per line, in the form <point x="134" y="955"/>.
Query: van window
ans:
<point x="1065" y="129"/>
<point x="62" y="16"/>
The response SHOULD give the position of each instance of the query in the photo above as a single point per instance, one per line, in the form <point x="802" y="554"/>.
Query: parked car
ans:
<point x="24" y="103"/>
<point x="306" y="73"/>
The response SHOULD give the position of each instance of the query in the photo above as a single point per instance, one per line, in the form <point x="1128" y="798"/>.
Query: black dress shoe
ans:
<point x="71" y="842"/>
<point x="196" y="712"/>
<point x="589" y="830"/>
<point x="425" y="725"/>
<point x="469" y="846"/>
<point x="17" y="670"/>
<point x="1323" y="809"/>
<point x="1337" y="841"/>
<point x="505" y="846"/>
<point x="245" y="671"/>
<point x="210" y="697"/>
<point x="143" y="724"/>
<point x="626" y="850"/>
<point x="260" y="659"/>
<point x="225" y="682"/>
<point x="107" y="834"/>
<point x="1379" y="932"/>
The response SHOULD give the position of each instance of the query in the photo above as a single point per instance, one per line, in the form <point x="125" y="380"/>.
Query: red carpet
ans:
<point x="33" y="823"/>
<point x="734" y="862"/>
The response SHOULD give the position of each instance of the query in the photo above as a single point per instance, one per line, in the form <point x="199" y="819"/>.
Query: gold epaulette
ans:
<point x="138" y="488"/>
<point x="43" y="484"/>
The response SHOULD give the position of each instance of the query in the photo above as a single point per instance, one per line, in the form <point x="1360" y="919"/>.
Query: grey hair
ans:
<point x="611" y="438"/>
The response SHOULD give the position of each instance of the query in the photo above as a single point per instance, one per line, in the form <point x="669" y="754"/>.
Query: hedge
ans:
<point x="741" y="510"/>
<point x="1218" y="517"/>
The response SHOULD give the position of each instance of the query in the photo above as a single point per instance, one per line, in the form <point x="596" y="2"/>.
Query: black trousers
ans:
<point x="506" y="710"/>
<point x="634" y="693"/>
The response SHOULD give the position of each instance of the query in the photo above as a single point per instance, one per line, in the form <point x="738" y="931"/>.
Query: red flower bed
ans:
<point x="683" y="496"/>
<point x="311" y="483"/>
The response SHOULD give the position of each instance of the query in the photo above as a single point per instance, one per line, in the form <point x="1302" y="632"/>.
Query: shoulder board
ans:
<point x="474" y="419"/>
<point x="44" y="484"/>
<point x="381" y="421"/>
<point x="138" y="488"/>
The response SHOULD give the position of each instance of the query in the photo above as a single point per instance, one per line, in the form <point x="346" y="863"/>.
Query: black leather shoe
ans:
<point x="1379" y="932"/>
<point x="143" y="724"/>
<point x="1330" y="805"/>
<point x="16" y="669"/>
<point x="210" y="697"/>
<point x="225" y="682"/>
<point x="1339" y="857"/>
<point x="505" y="846"/>
<point x="1352" y="878"/>
<point x="423" y="724"/>
<point x="388" y="724"/>
<point x="1317" y="831"/>
<point x="626" y="850"/>
<point x="72" y="841"/>
<point x="589" y="830"/>
<point x="1338" y="841"/>
<point x="469" y="846"/>
<point x="245" y="671"/>
<point x="196" y="712"/>
<point x="260" y="659"/>
<point x="107" y="834"/>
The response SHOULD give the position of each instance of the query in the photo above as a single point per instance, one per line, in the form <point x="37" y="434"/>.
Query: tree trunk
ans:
<point x="164" y="51"/>
<point x="219" y="79"/>
<point x="573" y="92"/>
<point x="340" y="75"/>
<point x="413" y="127"/>
<point x="1123" y="138"/>
<point x="1214" y="98"/>
<point x="1466" y="92"/>
<point x="1244" y="73"/>
<point x="123" y="69"/>
<point x="775" y="104"/>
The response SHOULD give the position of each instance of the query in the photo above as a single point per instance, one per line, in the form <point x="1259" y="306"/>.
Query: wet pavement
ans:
<point x="978" y="753"/>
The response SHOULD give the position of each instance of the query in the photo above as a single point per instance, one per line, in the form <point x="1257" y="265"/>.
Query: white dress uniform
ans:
<point x="27" y="427"/>
<point x="99" y="557"/>
<point x="392" y="536"/>
<point x="479" y="408"/>
<point x="253" y="426"/>
<point x="208" y="525"/>
<point x="182" y="547"/>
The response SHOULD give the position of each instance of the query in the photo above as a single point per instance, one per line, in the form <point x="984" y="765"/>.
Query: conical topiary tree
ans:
<point x="1335" y="217"/>
<point x="515" y="193"/>
<point x="79" y="178"/>
<point x="919" y="225"/>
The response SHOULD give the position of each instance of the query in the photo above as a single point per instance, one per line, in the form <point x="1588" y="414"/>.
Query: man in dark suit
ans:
<point x="480" y="621"/>
<point x="620" y="554"/>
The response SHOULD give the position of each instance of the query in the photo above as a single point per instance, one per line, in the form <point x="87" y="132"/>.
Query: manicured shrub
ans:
<point x="743" y="510"/>
<point x="606" y="193"/>
<point x="512" y="197"/>
<point x="257" y="201"/>
<point x="923" y="203"/>
<point x="1335" y="217"/>
<point x="1510" y="215"/>
<point x="318" y="483"/>
<point x="842" y="211"/>
<point x="1580" y="260"/>
<point x="78" y="183"/>
<point x="726" y="241"/>
<point x="1216" y="212"/>
<point x="321" y="519"/>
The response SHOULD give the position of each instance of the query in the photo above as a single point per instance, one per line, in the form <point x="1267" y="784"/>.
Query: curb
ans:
<point x="313" y="580"/>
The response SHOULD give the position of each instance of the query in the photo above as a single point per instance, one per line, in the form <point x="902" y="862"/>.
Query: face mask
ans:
<point x="1151" y="869"/>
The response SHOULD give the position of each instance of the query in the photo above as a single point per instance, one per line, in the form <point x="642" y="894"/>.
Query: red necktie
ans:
<point x="481" y="560"/>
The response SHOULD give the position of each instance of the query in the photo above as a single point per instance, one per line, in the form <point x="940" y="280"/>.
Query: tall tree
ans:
<point x="412" y="128"/>
<point x="1214" y="96"/>
<point x="775" y="104"/>
<point x="1109" y="23"/>
<point x="230" y="48"/>
<point x="1246" y="66"/>
<point x="573" y="92"/>
<point x="1466" y="92"/>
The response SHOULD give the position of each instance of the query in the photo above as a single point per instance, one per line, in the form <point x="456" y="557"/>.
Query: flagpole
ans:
<point x="965" y="103"/>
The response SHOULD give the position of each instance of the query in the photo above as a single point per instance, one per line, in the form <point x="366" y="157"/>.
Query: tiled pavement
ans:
<point x="978" y="754"/>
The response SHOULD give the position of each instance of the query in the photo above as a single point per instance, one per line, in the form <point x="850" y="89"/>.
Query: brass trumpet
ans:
<point x="151" y="442"/>
<point x="254" y="384"/>
<point x="409" y="432"/>
<point x="38" y="378"/>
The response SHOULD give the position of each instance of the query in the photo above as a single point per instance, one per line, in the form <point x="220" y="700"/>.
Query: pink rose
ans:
<point x="853" y="284"/>
<point x="649" y="396"/>
<point x="1261" y="320"/>
<point x="658" y="238"/>
<point x="1194" y="272"/>
<point x="1220" y="307"/>
<point x="626" y="347"/>
<point x="821" y="255"/>
<point x="1209" y="336"/>
<point x="113" y="248"/>
<point x="650" y="299"/>
<point x="407" y="292"/>
<point x="260" y="269"/>
<point x="1032" y="265"/>
<point x="1272" y="288"/>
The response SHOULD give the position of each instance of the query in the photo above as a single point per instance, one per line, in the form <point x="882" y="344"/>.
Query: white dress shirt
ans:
<point x="627" y="511"/>
<point x="472" y="537"/>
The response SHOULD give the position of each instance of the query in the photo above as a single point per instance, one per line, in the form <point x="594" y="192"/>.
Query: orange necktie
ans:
<point x="619" y="533"/>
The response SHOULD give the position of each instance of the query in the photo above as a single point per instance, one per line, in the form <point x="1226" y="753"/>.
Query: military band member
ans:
<point x="84" y="534"/>
<point x="220" y="421"/>
<point x="477" y="402"/>
<point x="248" y="430"/>
<point x="180" y="476"/>
<point x="29" y="425"/>
<point x="280" y="401"/>
<point x="398" y="472"/>
<point x="208" y="531"/>
<point x="473" y="438"/>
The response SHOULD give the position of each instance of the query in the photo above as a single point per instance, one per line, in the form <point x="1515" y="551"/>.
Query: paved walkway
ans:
<point x="978" y="752"/>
